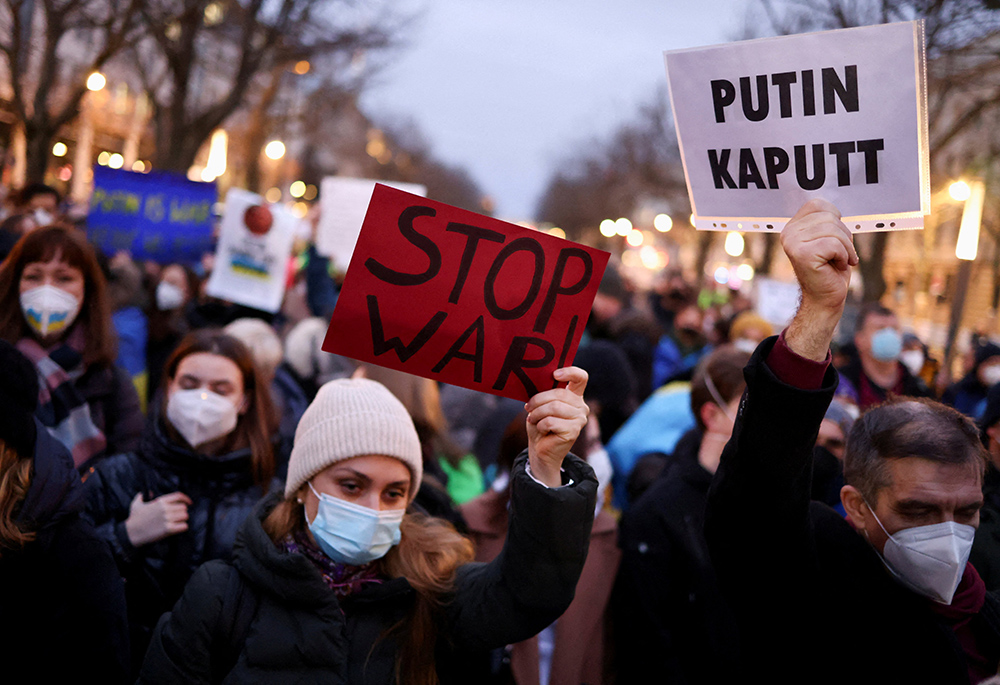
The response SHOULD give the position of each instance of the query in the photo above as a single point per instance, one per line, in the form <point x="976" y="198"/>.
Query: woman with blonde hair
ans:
<point x="340" y="582"/>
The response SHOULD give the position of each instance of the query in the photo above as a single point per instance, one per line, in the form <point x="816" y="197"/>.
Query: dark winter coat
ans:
<point x="670" y="617"/>
<point x="62" y="603"/>
<point x="223" y="495"/>
<point x="300" y="633"/>
<point x="812" y="598"/>
<point x="114" y="408"/>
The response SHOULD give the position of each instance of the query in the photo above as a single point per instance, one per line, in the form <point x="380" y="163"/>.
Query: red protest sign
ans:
<point x="448" y="294"/>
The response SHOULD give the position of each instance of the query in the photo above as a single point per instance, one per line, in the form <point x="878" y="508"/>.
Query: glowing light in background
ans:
<point x="634" y="238"/>
<point x="275" y="149"/>
<point x="959" y="191"/>
<point x="663" y="223"/>
<point x="734" y="244"/>
<point x="608" y="228"/>
<point x="623" y="227"/>
<point x="59" y="149"/>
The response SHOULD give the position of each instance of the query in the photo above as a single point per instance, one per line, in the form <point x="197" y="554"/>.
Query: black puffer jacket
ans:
<point x="62" y="604"/>
<point x="300" y="633"/>
<point x="222" y="492"/>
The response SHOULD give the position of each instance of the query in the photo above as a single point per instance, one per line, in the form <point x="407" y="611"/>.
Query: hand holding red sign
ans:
<point x="555" y="419"/>
<point x="462" y="298"/>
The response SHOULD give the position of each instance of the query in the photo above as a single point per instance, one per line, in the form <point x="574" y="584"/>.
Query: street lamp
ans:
<point x="274" y="150"/>
<point x="96" y="81"/>
<point x="966" y="248"/>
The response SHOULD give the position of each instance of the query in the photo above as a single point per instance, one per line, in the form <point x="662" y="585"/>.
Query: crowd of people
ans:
<point x="192" y="491"/>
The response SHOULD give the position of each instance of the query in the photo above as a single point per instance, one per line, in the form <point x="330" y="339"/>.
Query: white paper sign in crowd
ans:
<point x="343" y="205"/>
<point x="251" y="260"/>
<point x="764" y="125"/>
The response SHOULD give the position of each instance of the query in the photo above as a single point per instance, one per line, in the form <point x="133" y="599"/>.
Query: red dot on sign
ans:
<point x="258" y="219"/>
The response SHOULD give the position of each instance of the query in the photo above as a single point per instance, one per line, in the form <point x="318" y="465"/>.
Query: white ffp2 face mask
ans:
<point x="49" y="310"/>
<point x="930" y="560"/>
<point x="201" y="415"/>
<point x="168" y="296"/>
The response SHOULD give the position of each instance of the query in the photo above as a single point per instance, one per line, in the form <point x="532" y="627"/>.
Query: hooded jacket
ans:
<point x="62" y="603"/>
<point x="301" y="634"/>
<point x="222" y="492"/>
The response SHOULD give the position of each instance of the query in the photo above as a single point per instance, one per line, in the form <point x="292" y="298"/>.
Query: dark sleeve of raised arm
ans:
<point x="533" y="579"/>
<point x="757" y="522"/>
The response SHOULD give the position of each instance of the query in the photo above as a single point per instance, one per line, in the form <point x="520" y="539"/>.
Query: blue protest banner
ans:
<point x="159" y="215"/>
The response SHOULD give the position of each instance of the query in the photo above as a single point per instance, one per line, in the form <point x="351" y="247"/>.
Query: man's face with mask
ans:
<point x="872" y="339"/>
<point x="920" y="492"/>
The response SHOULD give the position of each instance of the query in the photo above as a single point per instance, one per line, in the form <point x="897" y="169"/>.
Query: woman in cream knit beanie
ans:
<point x="352" y="417"/>
<point x="345" y="580"/>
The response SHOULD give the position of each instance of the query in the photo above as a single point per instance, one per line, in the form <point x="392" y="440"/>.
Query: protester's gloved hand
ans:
<point x="157" y="519"/>
<point x="555" y="419"/>
<point x="821" y="250"/>
<point x="18" y="400"/>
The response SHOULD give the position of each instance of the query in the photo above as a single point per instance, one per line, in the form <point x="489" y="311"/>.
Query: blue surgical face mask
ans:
<point x="352" y="534"/>
<point x="887" y="343"/>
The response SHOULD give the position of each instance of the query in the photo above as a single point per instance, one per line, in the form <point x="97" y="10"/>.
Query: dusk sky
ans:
<point x="509" y="88"/>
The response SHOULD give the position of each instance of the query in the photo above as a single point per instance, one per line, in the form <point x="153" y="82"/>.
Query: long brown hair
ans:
<point x="428" y="555"/>
<point x="258" y="423"/>
<point x="70" y="246"/>
<point x="15" y="477"/>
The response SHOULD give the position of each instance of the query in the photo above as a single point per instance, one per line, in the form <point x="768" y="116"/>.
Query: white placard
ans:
<point x="343" y="205"/>
<point x="255" y="243"/>
<point x="777" y="301"/>
<point x="765" y="125"/>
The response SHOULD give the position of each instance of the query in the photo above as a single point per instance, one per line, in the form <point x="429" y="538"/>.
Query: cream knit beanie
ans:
<point x="351" y="417"/>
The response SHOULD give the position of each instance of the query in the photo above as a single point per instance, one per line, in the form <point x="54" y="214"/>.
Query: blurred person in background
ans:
<point x="128" y="300"/>
<point x="916" y="357"/>
<point x="308" y="363"/>
<point x="969" y="394"/>
<point x="680" y="351"/>
<point x="62" y="601"/>
<point x="877" y="374"/>
<point x="290" y="401"/>
<point x="42" y="201"/>
<point x="55" y="308"/>
<point x="11" y="230"/>
<point x="986" y="545"/>
<point x="747" y="329"/>
<point x="204" y="462"/>
<point x="175" y="290"/>
<point x="670" y="617"/>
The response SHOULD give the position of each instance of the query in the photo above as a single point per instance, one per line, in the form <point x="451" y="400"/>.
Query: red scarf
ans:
<point x="967" y="602"/>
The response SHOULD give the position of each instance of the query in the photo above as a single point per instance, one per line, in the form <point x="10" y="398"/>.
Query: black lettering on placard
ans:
<point x="720" y="170"/>
<point x="566" y="343"/>
<point x="515" y="362"/>
<point x="455" y="351"/>
<point x="723" y="95"/>
<point x="556" y="287"/>
<point x="489" y="288"/>
<point x="760" y="113"/>
<point x="871" y="149"/>
<point x="808" y="94"/>
<point x="749" y="173"/>
<point x="784" y="81"/>
<point x="405" y="223"/>
<point x="818" y="164"/>
<point x="842" y="152"/>
<point x="834" y="88"/>
<point x="380" y="345"/>
<point x="775" y="162"/>
<point x="473" y="234"/>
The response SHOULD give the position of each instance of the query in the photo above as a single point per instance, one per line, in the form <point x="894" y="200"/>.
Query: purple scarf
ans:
<point x="343" y="579"/>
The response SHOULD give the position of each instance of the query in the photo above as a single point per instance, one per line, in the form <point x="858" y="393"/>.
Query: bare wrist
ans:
<point x="546" y="473"/>
<point x="811" y="331"/>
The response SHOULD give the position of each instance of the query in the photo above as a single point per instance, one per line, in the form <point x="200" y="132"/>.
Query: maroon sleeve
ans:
<point x="795" y="370"/>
